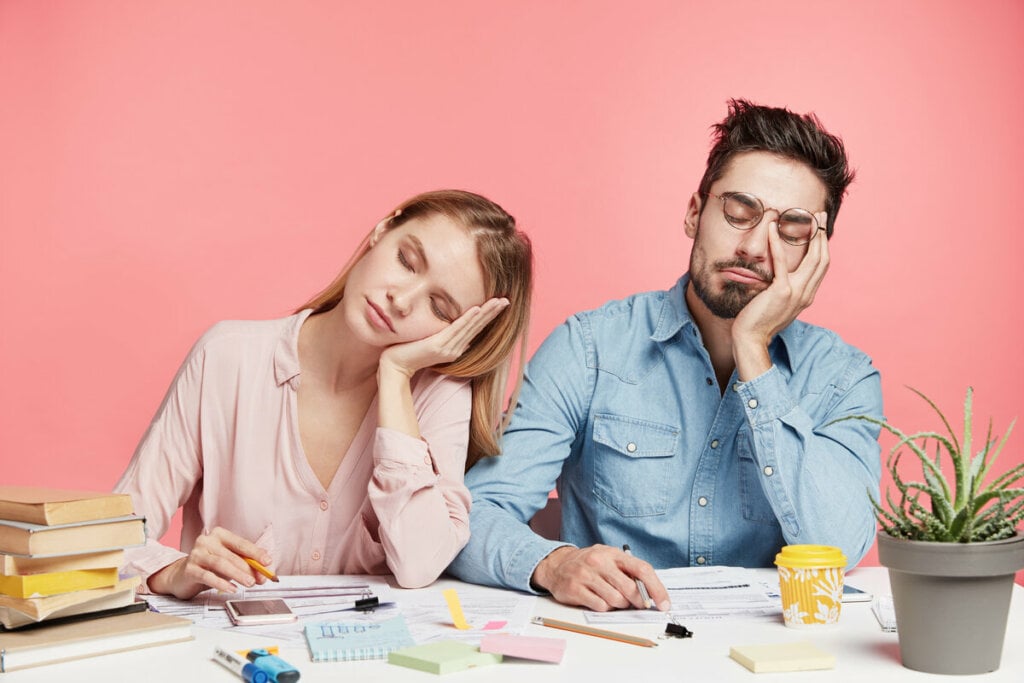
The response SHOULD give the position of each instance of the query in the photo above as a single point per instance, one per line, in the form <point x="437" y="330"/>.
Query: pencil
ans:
<point x="599" y="632"/>
<point x="261" y="569"/>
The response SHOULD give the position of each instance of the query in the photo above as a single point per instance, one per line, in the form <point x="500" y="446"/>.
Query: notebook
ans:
<point x="349" y="641"/>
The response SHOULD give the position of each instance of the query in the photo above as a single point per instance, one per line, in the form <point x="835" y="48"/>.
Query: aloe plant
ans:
<point x="963" y="510"/>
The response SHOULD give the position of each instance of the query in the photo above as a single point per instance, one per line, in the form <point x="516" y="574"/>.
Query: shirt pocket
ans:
<point x="753" y="502"/>
<point x="632" y="461"/>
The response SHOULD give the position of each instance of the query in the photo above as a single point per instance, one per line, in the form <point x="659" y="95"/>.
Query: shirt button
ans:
<point x="735" y="386"/>
<point x="316" y="555"/>
<point x="709" y="381"/>
<point x="631" y="447"/>
<point x="702" y="501"/>
<point x="714" y="443"/>
<point x="769" y="471"/>
<point x="752" y="403"/>
<point x="701" y="560"/>
<point x="323" y="504"/>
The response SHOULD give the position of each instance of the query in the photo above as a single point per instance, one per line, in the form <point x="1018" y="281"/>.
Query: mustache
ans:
<point x="740" y="263"/>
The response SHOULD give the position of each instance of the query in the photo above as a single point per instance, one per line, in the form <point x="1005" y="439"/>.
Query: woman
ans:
<point x="321" y="443"/>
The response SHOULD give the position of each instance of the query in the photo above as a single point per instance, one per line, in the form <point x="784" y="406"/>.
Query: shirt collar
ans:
<point x="286" y="356"/>
<point x="675" y="315"/>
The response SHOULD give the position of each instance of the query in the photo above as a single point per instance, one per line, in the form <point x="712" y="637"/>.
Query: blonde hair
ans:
<point x="506" y="259"/>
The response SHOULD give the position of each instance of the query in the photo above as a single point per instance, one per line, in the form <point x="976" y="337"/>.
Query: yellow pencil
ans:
<point x="261" y="569"/>
<point x="599" y="632"/>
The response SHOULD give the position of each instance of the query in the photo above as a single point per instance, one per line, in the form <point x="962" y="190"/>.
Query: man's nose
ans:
<point x="754" y="244"/>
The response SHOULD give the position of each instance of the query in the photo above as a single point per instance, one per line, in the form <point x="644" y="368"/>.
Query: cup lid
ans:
<point x="810" y="556"/>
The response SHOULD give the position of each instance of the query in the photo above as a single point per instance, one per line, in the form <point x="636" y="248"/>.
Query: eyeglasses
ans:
<point x="744" y="211"/>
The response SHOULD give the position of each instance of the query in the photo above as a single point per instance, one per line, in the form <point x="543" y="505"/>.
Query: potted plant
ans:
<point x="951" y="545"/>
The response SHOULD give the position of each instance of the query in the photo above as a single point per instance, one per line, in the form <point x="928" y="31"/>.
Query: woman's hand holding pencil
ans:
<point x="220" y="559"/>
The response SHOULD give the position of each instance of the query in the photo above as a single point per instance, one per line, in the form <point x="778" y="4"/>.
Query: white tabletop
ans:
<point x="862" y="650"/>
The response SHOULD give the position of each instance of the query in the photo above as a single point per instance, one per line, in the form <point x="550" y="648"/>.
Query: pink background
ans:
<point x="164" y="165"/>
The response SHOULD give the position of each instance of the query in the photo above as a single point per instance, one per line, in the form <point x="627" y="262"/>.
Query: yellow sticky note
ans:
<point x="455" y="607"/>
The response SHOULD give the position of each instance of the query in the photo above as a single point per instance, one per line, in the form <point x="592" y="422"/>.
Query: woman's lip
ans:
<point x="743" y="275"/>
<point x="379" y="318"/>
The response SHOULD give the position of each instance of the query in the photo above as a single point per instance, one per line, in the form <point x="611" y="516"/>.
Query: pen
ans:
<point x="261" y="569"/>
<point x="640" y="584"/>
<point x="250" y="673"/>
<point x="599" y="632"/>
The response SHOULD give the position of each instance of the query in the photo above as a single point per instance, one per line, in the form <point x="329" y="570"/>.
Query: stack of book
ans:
<point x="60" y="555"/>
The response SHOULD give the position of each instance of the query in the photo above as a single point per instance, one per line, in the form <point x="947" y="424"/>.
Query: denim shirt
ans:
<point x="621" y="410"/>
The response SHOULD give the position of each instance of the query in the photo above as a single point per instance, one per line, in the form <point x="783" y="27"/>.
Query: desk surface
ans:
<point x="862" y="650"/>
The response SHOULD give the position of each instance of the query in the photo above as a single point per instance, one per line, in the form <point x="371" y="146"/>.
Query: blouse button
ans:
<point x="323" y="504"/>
<point x="631" y="447"/>
<point x="426" y="459"/>
<point x="316" y="555"/>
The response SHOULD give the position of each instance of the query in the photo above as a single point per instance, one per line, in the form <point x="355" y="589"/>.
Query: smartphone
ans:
<point x="250" y="612"/>
<point x="851" y="594"/>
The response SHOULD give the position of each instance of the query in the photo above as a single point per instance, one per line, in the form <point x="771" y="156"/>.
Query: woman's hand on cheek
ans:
<point x="444" y="346"/>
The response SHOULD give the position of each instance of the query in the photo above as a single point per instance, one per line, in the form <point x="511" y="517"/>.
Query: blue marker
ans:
<point x="276" y="669"/>
<point x="250" y="673"/>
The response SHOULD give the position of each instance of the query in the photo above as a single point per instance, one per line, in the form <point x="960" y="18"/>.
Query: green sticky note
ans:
<point x="442" y="657"/>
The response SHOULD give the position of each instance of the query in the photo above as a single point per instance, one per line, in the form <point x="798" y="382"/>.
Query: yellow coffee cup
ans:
<point x="811" y="583"/>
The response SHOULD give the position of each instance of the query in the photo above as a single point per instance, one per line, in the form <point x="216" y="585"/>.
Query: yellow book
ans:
<point x="14" y="565"/>
<point x="54" y="583"/>
<point x="40" y="608"/>
<point x="59" y="506"/>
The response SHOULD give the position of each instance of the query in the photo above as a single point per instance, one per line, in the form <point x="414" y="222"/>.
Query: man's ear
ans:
<point x="692" y="219"/>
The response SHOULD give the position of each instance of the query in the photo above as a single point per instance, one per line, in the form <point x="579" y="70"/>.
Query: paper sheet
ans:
<point x="704" y="593"/>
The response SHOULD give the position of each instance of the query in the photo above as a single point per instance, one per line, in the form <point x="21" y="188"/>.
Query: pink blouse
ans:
<point x="225" y="447"/>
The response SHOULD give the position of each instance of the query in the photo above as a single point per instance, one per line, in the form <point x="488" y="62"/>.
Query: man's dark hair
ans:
<point x="755" y="128"/>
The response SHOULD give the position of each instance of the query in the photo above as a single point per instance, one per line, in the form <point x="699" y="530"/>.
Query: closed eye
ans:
<point x="441" y="315"/>
<point x="404" y="261"/>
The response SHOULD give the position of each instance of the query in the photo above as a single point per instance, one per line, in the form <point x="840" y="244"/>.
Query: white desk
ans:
<point x="863" y="651"/>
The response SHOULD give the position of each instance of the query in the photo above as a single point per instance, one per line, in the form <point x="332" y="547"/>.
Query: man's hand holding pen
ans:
<point x="599" y="578"/>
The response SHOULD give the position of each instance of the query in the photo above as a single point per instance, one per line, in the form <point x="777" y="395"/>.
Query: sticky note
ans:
<point x="494" y="625"/>
<point x="524" y="647"/>
<point x="776" y="657"/>
<point x="442" y="657"/>
<point x="455" y="608"/>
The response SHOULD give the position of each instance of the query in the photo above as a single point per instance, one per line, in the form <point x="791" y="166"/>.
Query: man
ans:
<point x="698" y="425"/>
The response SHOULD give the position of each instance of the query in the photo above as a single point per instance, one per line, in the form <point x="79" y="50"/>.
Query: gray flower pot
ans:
<point x="951" y="601"/>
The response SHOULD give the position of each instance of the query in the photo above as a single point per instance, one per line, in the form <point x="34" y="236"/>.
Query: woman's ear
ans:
<point x="692" y="218"/>
<point x="382" y="227"/>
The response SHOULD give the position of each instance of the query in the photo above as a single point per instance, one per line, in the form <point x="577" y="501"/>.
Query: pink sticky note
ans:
<point x="524" y="647"/>
<point x="494" y="625"/>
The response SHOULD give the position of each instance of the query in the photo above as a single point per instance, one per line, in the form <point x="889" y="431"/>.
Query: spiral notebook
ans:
<point x="349" y="641"/>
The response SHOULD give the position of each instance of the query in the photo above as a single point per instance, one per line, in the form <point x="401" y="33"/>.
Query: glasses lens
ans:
<point x="742" y="210"/>
<point x="796" y="226"/>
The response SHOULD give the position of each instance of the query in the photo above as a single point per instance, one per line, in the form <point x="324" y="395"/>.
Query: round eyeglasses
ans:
<point x="744" y="211"/>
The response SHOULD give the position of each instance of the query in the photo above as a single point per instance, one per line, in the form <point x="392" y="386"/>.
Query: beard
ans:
<point x="734" y="296"/>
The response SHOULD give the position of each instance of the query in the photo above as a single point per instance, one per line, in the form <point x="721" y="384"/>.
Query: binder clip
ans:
<point x="367" y="603"/>
<point x="676" y="630"/>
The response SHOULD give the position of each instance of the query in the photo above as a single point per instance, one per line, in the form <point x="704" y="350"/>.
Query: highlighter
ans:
<point x="276" y="669"/>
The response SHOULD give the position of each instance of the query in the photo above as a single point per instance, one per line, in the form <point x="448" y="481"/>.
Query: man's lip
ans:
<point x="380" y="314"/>
<point x="743" y="275"/>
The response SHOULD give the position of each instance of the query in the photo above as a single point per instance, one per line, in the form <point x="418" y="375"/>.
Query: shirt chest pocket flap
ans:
<point x="632" y="464"/>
